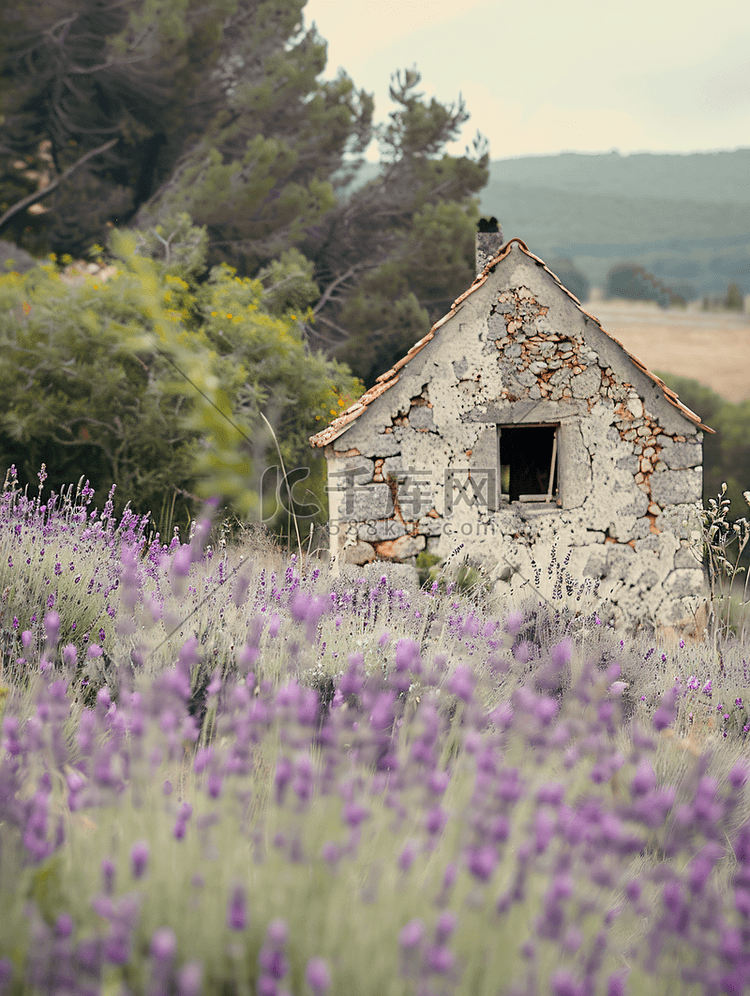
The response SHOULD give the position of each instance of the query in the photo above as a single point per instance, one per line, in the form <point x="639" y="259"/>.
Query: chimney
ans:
<point x="488" y="243"/>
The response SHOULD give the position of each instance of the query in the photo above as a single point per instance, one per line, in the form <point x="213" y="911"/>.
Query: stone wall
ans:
<point x="414" y="473"/>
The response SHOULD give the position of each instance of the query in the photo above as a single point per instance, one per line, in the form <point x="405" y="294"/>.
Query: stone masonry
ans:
<point x="415" y="464"/>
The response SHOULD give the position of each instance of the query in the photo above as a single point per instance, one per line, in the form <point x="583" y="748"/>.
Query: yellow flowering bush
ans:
<point x="155" y="381"/>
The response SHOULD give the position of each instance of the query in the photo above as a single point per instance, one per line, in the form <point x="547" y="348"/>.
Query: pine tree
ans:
<point x="216" y="108"/>
<point x="216" y="112"/>
<point x="395" y="253"/>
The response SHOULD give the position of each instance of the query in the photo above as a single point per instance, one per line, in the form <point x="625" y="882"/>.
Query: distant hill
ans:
<point x="704" y="176"/>
<point x="686" y="218"/>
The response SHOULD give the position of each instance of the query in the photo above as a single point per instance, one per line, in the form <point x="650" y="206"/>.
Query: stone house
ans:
<point x="520" y="430"/>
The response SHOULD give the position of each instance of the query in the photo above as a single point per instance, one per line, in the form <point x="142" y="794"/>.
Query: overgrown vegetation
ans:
<point x="218" y="111"/>
<point x="726" y="451"/>
<point x="224" y="769"/>
<point x="727" y="555"/>
<point x="155" y="382"/>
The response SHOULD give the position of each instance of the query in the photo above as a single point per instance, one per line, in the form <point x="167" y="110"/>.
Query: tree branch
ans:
<point x="87" y="70"/>
<point x="325" y="296"/>
<point x="82" y="442"/>
<point x="35" y="197"/>
<point x="333" y="325"/>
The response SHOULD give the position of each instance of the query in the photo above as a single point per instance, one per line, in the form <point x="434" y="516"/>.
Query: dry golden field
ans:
<point x="710" y="347"/>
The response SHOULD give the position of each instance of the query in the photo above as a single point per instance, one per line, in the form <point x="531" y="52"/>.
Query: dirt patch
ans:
<point x="710" y="347"/>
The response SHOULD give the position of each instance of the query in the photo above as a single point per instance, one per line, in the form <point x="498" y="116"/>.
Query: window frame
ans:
<point x="553" y="496"/>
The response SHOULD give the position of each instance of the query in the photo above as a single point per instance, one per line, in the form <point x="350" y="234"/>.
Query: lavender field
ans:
<point x="225" y="771"/>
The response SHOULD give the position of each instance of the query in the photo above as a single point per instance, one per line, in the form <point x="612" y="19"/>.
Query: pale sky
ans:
<point x="547" y="76"/>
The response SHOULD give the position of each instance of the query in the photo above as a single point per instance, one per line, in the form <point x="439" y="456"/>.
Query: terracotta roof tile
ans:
<point x="390" y="377"/>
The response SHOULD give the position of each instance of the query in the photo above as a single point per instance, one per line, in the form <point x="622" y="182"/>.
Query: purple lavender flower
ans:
<point x="408" y="854"/>
<point x="354" y="814"/>
<point x="52" y="627"/>
<point x="190" y="979"/>
<point x="237" y="916"/>
<point x="214" y="784"/>
<point x="411" y="935"/>
<point x="317" y="976"/>
<point x="461" y="683"/>
<point x="352" y="681"/>
<point x="139" y="854"/>
<point x="64" y="925"/>
<point x="544" y="829"/>
<point x="267" y="986"/>
<point x="181" y="562"/>
<point x="563" y="983"/>
<point x="439" y="960"/>
<point x="407" y="656"/>
<point x="435" y="820"/>
<point x="616" y="982"/>
<point x="164" y="945"/>
<point x="644" y="779"/>
<point x="308" y="609"/>
<point x="481" y="862"/>
<point x="277" y="933"/>
<point x="273" y="962"/>
<point x="446" y="924"/>
<point x="522" y="652"/>
<point x="667" y="710"/>
<point x="513" y="623"/>
<point x="551" y="794"/>
<point x="546" y="710"/>
<point x="438" y="781"/>
<point x="330" y="853"/>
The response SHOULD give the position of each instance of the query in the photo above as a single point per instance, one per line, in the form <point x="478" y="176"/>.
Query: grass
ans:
<point x="435" y="794"/>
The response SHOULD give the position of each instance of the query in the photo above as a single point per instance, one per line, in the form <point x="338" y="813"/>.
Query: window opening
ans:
<point x="528" y="462"/>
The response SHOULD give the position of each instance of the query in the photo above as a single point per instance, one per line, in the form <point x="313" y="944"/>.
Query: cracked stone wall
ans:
<point x="415" y="471"/>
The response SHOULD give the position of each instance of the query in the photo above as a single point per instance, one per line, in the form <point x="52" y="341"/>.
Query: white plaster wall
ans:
<point x="519" y="349"/>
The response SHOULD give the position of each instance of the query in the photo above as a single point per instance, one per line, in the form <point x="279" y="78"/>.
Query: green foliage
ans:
<point x="154" y="383"/>
<point x="77" y="398"/>
<point x="180" y="247"/>
<point x="734" y="300"/>
<point x="218" y="110"/>
<point x="12" y="257"/>
<point x="223" y="123"/>
<point x="221" y="117"/>
<point x="426" y="564"/>
<point x="288" y="283"/>
<point x="726" y="453"/>
<point x="724" y="544"/>
<point x="397" y="251"/>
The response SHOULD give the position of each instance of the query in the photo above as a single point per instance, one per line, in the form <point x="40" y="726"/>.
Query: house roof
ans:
<point x="391" y="377"/>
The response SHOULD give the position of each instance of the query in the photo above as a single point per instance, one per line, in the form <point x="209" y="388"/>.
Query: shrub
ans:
<point x="156" y="383"/>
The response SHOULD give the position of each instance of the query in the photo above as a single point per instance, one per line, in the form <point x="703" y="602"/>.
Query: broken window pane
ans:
<point x="528" y="462"/>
